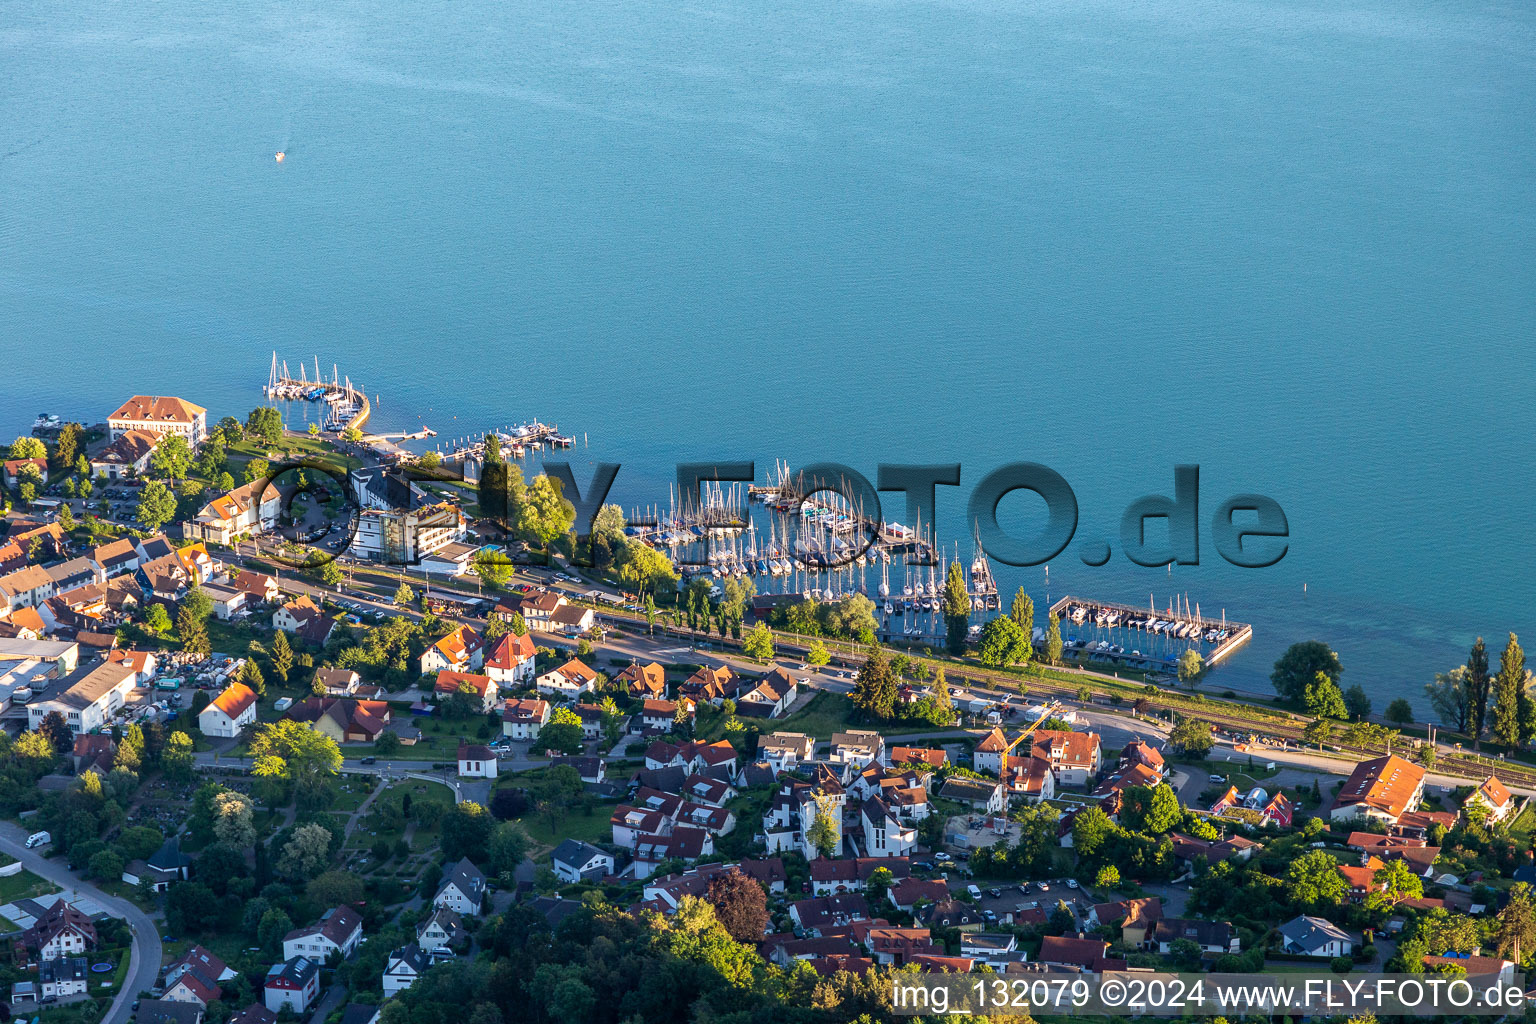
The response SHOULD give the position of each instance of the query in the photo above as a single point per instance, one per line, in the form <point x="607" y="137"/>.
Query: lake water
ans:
<point x="1289" y="241"/>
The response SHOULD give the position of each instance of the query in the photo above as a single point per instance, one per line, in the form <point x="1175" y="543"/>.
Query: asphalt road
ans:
<point x="144" y="963"/>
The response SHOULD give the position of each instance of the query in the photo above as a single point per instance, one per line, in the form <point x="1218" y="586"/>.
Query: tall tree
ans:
<point x="740" y="905"/>
<point x="943" y="706"/>
<point x="1507" y="691"/>
<point x="1052" y="651"/>
<point x="1023" y="611"/>
<point x="194" y="635"/>
<point x="1477" y="687"/>
<point x="874" y="689"/>
<point x="1450" y="697"/>
<point x="1299" y="665"/>
<point x="157" y="505"/>
<point x="1323" y="697"/>
<point x="957" y="609"/>
<point x="493" y="448"/>
<point x="281" y="655"/>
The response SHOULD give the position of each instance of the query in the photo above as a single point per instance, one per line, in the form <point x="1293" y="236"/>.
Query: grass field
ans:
<point x="590" y="828"/>
<point x="24" y="885"/>
<point x="1524" y="823"/>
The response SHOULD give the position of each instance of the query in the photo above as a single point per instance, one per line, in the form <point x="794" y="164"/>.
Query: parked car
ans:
<point x="37" y="839"/>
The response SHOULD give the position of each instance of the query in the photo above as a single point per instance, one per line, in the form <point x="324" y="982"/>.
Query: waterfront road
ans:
<point x="145" y="953"/>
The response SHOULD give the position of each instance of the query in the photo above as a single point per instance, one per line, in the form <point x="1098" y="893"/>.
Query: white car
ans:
<point x="1071" y="883"/>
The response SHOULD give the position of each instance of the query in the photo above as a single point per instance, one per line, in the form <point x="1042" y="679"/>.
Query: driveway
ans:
<point x="146" y="953"/>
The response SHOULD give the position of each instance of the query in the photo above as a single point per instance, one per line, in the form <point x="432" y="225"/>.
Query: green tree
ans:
<point x="352" y="435"/>
<point x="466" y="831"/>
<point x="1023" y="611"/>
<point x="874" y="688"/>
<point x="1150" y="809"/>
<point x="1478" y="689"/>
<point x="1091" y="830"/>
<point x="1317" y="733"/>
<point x="1191" y="736"/>
<point x="28" y="448"/>
<point x="1508" y="686"/>
<point x="1003" y="642"/>
<point x="1107" y="878"/>
<point x="1190" y="666"/>
<point x="307" y="851"/>
<point x="644" y="568"/>
<point x="176" y="760"/>
<point x="1400" y="711"/>
<point x="543" y="515"/>
<point x="493" y="568"/>
<point x="507" y="847"/>
<point x="957" y="609"/>
<point x="171" y="458"/>
<point x="823" y="833"/>
<point x="758" y="644"/>
<point x="265" y="424"/>
<point x="193" y="634"/>
<point x="250" y="675"/>
<point x="157" y="505"/>
<point x="66" y="516"/>
<point x="1053" y="640"/>
<point x="291" y="750"/>
<point x="331" y="574"/>
<point x="1357" y="703"/>
<point x="1299" y="665"/>
<point x="281" y="655"/>
<point x="156" y="619"/>
<point x="405" y="597"/>
<point x="1515" y="929"/>
<point x="1399" y="883"/>
<point x="1323" y="697"/>
<point x="1313" y="880"/>
<point x="1452" y="699"/>
<point x="817" y="654"/>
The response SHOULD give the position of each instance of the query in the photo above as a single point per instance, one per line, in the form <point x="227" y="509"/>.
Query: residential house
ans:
<point x="62" y="977"/>
<point x="535" y="608"/>
<point x="460" y="651"/>
<point x="510" y="663"/>
<point x="168" y="1011"/>
<point x="1135" y="918"/>
<point x="481" y="688"/>
<point x="228" y="714"/>
<point x="343" y="719"/>
<point x="1072" y="952"/>
<point x="576" y="861"/>
<point x="852" y="874"/>
<point x="461" y="890"/>
<point x="127" y="455"/>
<point x="452" y="559"/>
<point x="262" y="588"/>
<point x="337" y="682"/>
<point x="94" y="751"/>
<point x="522" y="719"/>
<point x="115" y="557"/>
<point x="197" y="976"/>
<point x="929" y="757"/>
<point x="441" y="930"/>
<point x="1075" y="757"/>
<point x="1211" y="936"/>
<point x="797" y="806"/>
<point x="995" y="949"/>
<point x="571" y="620"/>
<point x="77" y="572"/>
<point x="980" y="794"/>
<point x="253" y="1014"/>
<point x="1031" y="778"/>
<point x="989" y="754"/>
<point x="644" y="682"/>
<point x="712" y="684"/>
<point x="1315" y="936"/>
<point x="159" y="415"/>
<point x="291" y="985"/>
<point x="1482" y="968"/>
<point x="898" y="945"/>
<point x="770" y="697"/>
<point x="910" y="893"/>
<point x="303" y="618"/>
<point x="813" y="916"/>
<point x="661" y="715"/>
<point x="590" y="770"/>
<point x="26" y="587"/>
<point x="60" y="931"/>
<point x="403" y="967"/>
<point x="569" y="681"/>
<point x="249" y="510"/>
<point x="477" y="761"/>
<point x="1139" y="751"/>
<point x="767" y="871"/>
<point x="1383" y="788"/>
<point x="708" y="791"/>
<point x="885" y="835"/>
<point x="785" y="751"/>
<point x="857" y="747"/>
<point x="339" y="930"/>
<point x="1495" y="797"/>
<point x="685" y="843"/>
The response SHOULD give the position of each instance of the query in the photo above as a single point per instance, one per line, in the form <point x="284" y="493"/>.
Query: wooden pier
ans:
<point x="1178" y="625"/>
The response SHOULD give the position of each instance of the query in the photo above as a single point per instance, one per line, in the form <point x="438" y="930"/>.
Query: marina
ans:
<point x="347" y="404"/>
<point x="1146" y="637"/>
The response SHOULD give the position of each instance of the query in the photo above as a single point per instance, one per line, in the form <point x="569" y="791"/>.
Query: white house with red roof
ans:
<point x="1495" y="796"/>
<point x="292" y="985"/>
<point x="1383" y="788"/>
<point x="339" y="930"/>
<point x="482" y="686"/>
<point x="229" y="713"/>
<point x="522" y="719"/>
<point x="569" y="681"/>
<point x="160" y="415"/>
<point x="510" y="662"/>
<point x="460" y="651"/>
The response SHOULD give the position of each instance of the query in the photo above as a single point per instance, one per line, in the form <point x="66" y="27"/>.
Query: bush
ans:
<point x="1341" y="964"/>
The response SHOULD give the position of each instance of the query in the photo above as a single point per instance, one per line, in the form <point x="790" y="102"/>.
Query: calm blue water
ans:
<point x="1290" y="241"/>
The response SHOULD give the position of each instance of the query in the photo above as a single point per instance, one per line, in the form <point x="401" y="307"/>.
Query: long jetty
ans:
<point x="1182" y="627"/>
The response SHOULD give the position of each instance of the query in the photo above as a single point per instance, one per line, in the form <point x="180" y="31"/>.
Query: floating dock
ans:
<point x="1145" y="635"/>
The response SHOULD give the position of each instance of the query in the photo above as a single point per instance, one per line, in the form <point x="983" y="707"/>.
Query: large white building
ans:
<point x="402" y="537"/>
<point x="87" y="697"/>
<point x="160" y="414"/>
<point x="229" y="713"/>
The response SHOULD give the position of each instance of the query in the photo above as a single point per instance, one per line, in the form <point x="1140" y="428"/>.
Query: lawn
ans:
<point x="1525" y="822"/>
<point x="592" y="828"/>
<point x="24" y="885"/>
